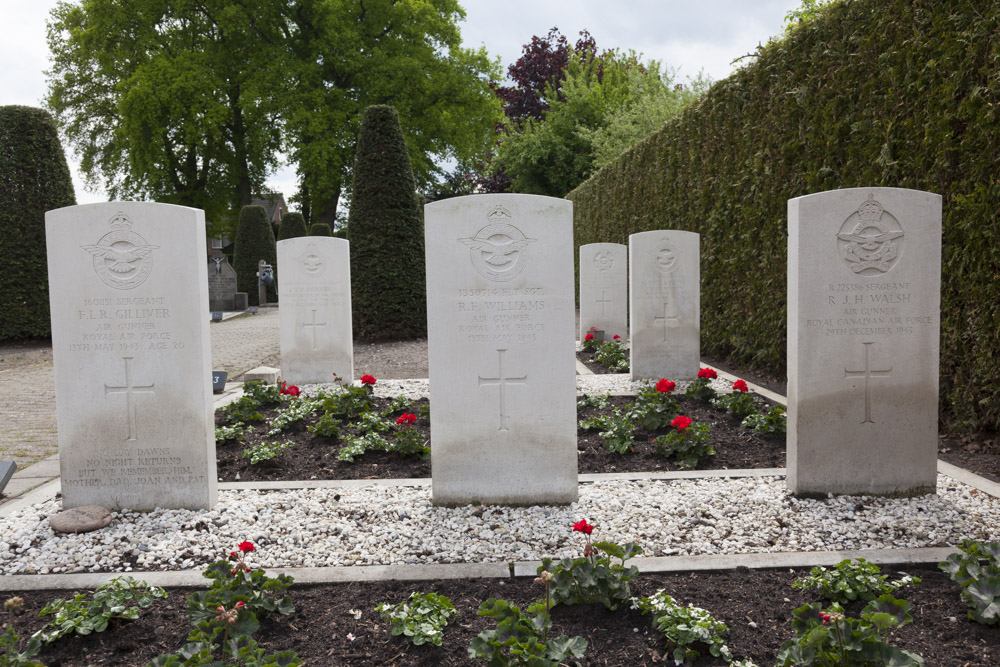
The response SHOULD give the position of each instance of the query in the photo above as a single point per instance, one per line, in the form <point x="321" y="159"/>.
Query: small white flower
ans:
<point x="350" y="637"/>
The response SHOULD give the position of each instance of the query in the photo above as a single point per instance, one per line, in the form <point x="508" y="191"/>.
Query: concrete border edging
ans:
<point x="361" y="573"/>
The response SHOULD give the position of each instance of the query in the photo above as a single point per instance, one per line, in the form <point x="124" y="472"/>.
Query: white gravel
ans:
<point x="616" y="383"/>
<point x="380" y="526"/>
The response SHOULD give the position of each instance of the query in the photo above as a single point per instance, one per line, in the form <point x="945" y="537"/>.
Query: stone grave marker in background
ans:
<point x="128" y="293"/>
<point x="500" y="331"/>
<point x="864" y="294"/>
<point x="604" y="289"/>
<point x="664" y="304"/>
<point x="221" y="284"/>
<point x="315" y="313"/>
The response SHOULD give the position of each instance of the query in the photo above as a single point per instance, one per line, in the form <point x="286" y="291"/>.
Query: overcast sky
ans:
<point x="689" y="36"/>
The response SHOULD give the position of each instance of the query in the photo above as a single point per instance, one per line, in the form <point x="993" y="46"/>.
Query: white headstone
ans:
<point x="500" y="330"/>
<point x="604" y="289"/>
<point x="664" y="304"/>
<point x="315" y="313"/>
<point x="128" y="290"/>
<point x="864" y="294"/>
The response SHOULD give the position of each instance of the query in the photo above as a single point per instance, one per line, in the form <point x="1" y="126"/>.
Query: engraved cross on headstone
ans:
<point x="502" y="381"/>
<point x="603" y="301"/>
<point x="313" y="324"/>
<point x="129" y="390"/>
<point x="668" y="319"/>
<point x="868" y="373"/>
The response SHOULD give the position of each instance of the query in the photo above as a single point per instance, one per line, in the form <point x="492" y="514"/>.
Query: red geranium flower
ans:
<point x="589" y="336"/>
<point x="246" y="547"/>
<point x="368" y="379"/>
<point x="681" y="422"/>
<point x="411" y="419"/>
<point x="583" y="527"/>
<point x="707" y="373"/>
<point x="665" y="385"/>
<point x="290" y="390"/>
<point x="617" y="337"/>
<point x="740" y="385"/>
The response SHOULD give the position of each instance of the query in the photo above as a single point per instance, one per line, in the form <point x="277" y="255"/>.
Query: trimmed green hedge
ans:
<point x="320" y="229"/>
<point x="870" y="93"/>
<point x="254" y="242"/>
<point x="386" y="231"/>
<point x="292" y="226"/>
<point x="34" y="178"/>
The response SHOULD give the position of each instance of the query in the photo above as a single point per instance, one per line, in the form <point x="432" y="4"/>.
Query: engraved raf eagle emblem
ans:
<point x="122" y="258"/>
<point x="312" y="260"/>
<point x="499" y="251"/>
<point x="870" y="239"/>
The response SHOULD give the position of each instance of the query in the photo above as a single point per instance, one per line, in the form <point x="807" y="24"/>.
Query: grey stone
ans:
<point x="315" y="295"/>
<point x="221" y="283"/>
<point x="864" y="294"/>
<point x="604" y="289"/>
<point x="131" y="355"/>
<point x="83" y="519"/>
<point x="500" y="332"/>
<point x="265" y="374"/>
<point x="664" y="305"/>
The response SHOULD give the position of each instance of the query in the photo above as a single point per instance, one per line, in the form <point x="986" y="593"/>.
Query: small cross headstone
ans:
<point x="132" y="359"/>
<point x="500" y="333"/>
<point x="604" y="289"/>
<point x="664" y="305"/>
<point x="864" y="285"/>
<point x="315" y="313"/>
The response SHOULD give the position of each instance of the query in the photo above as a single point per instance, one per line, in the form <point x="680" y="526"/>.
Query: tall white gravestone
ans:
<point x="128" y="290"/>
<point x="500" y="331"/>
<point x="665" y="304"/>
<point x="864" y="294"/>
<point x="315" y="314"/>
<point x="604" y="289"/>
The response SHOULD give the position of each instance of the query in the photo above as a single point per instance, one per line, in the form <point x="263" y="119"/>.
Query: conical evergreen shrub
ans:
<point x="292" y="226"/>
<point x="320" y="229"/>
<point x="34" y="178"/>
<point x="385" y="228"/>
<point x="254" y="242"/>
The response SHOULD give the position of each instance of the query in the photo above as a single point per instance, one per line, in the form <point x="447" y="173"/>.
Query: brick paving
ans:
<point x="27" y="386"/>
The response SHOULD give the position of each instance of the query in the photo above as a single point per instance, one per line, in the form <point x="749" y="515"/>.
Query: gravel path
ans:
<point x="381" y="526"/>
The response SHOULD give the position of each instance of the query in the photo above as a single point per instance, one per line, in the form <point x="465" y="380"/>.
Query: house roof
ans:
<point x="273" y="203"/>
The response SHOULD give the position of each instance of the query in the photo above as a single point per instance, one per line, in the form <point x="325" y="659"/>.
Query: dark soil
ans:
<point x="976" y="452"/>
<point x="757" y="606"/>
<point x="315" y="457"/>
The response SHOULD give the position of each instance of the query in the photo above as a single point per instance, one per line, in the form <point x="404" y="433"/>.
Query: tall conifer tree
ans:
<point x="386" y="232"/>
<point x="34" y="178"/>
